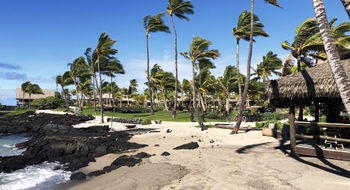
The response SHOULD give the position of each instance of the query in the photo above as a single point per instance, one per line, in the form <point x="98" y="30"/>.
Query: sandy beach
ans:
<point x="222" y="161"/>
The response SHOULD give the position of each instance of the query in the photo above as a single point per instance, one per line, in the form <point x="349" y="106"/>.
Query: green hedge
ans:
<point x="146" y="122"/>
<point x="48" y="103"/>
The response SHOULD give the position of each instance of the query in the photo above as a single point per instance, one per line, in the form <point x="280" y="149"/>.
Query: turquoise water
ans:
<point x="8" y="142"/>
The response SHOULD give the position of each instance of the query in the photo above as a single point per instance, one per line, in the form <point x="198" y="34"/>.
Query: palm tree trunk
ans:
<point x="346" y="4"/>
<point x="23" y="99"/>
<point x="340" y="77"/>
<point x="94" y="89"/>
<point x="202" y="101"/>
<point x="228" y="104"/>
<point x="76" y="93"/>
<point x="245" y="92"/>
<point x="301" y="105"/>
<point x="112" y="93"/>
<point x="164" y="101"/>
<point x="148" y="78"/>
<point x="99" y="72"/>
<point x="176" y="73"/>
<point x="195" y="100"/>
<point x="238" y="73"/>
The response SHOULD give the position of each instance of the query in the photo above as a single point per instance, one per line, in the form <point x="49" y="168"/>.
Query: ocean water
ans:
<point x="35" y="177"/>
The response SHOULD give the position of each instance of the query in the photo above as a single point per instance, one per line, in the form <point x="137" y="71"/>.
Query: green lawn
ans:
<point x="161" y="115"/>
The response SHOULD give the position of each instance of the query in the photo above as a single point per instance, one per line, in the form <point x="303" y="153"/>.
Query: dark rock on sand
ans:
<point x="168" y="131"/>
<point x="165" y="154"/>
<point x="156" y="145"/>
<point x="191" y="145"/>
<point x="78" y="176"/>
<point x="97" y="173"/>
<point x="52" y="138"/>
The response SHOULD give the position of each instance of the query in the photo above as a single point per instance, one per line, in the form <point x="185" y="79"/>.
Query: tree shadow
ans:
<point x="244" y="149"/>
<point x="334" y="169"/>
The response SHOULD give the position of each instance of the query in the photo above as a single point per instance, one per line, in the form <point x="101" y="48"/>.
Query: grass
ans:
<point x="181" y="116"/>
<point x="209" y="126"/>
<point x="20" y="111"/>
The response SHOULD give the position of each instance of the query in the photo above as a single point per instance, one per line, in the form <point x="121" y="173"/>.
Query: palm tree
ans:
<point x="92" y="68"/>
<point x="24" y="87"/>
<point x="340" y="77"/>
<point x="270" y="64"/>
<point x="103" y="50"/>
<point x="242" y="31"/>
<point x="165" y="82"/>
<point x="78" y="70"/>
<point x="153" y="24"/>
<point x="245" y="92"/>
<point x="111" y="67"/>
<point x="33" y="89"/>
<point x="131" y="90"/>
<point x="199" y="52"/>
<point x="346" y="4"/>
<point x="178" y="8"/>
<point x="228" y="83"/>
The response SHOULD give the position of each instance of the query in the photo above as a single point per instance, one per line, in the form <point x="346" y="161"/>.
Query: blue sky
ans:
<point x="39" y="37"/>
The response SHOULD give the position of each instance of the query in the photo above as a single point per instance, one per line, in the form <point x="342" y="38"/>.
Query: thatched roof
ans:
<point x="47" y="93"/>
<point x="312" y="83"/>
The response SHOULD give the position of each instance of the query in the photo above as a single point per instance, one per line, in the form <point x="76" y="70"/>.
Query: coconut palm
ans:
<point x="131" y="90"/>
<point x="103" y="50"/>
<point x="340" y="77"/>
<point x="199" y="52"/>
<point x="178" y="8"/>
<point x="270" y="65"/>
<point x="242" y="31"/>
<point x="228" y="83"/>
<point x="78" y="70"/>
<point x="24" y="87"/>
<point x="346" y="4"/>
<point x="92" y="68"/>
<point x="165" y="82"/>
<point x="111" y="67"/>
<point x="153" y="24"/>
<point x="33" y="89"/>
<point x="245" y="92"/>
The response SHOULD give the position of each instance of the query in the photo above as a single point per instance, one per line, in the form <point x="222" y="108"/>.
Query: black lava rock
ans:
<point x="189" y="146"/>
<point x="165" y="154"/>
<point x="78" y="176"/>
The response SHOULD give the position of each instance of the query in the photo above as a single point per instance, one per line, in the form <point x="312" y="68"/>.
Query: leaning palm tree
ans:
<point x="178" y="8"/>
<point x="340" y="77"/>
<point x="165" y="82"/>
<point x="228" y="84"/>
<point x="24" y="87"/>
<point x="153" y="24"/>
<point x="92" y="68"/>
<point x="199" y="52"/>
<point x="242" y="31"/>
<point x="346" y="4"/>
<point x="33" y="89"/>
<point x="103" y="50"/>
<point x="245" y="92"/>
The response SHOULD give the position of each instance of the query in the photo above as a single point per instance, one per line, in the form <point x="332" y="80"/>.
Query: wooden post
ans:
<point x="292" y="127"/>
<point x="317" y="116"/>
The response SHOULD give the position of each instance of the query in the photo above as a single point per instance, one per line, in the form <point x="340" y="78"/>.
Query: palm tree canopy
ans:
<point x="179" y="8"/>
<point x="243" y="28"/>
<point x="200" y="51"/>
<point x="104" y="46"/>
<point x="111" y="66"/>
<point x="270" y="65"/>
<point x="34" y="89"/>
<point x="155" y="24"/>
<point x="273" y="2"/>
<point x="24" y="86"/>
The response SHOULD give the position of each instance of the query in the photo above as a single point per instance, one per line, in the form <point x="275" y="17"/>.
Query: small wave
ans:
<point x="36" y="177"/>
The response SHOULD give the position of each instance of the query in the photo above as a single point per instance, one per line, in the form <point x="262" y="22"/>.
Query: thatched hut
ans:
<point x="311" y="85"/>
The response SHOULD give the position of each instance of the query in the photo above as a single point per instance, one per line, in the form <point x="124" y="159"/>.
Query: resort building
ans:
<point x="23" y="99"/>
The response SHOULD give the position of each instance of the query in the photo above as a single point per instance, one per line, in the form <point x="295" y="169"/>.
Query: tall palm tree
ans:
<point x="24" y="87"/>
<point x="103" y="50"/>
<point x="92" y="68"/>
<point x="340" y="77"/>
<point x="242" y="31"/>
<point x="199" y="52"/>
<point x="251" y="35"/>
<point x="346" y="4"/>
<point x="178" y="8"/>
<point x="153" y="24"/>
<point x="270" y="65"/>
<point x="165" y="82"/>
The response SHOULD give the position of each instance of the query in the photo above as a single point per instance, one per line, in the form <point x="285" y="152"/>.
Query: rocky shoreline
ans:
<point x="53" y="138"/>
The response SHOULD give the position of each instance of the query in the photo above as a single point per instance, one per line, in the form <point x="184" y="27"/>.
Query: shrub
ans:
<point x="146" y="122"/>
<point x="21" y="110"/>
<point x="2" y="107"/>
<point x="271" y="116"/>
<point x="48" y="103"/>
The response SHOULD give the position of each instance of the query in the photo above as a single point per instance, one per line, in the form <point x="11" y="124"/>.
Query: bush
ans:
<point x="271" y="116"/>
<point x="21" y="110"/>
<point x="2" y="107"/>
<point x="146" y="122"/>
<point x="48" y="103"/>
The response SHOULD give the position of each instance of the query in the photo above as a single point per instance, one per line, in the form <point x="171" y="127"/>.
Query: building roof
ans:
<point x="47" y="93"/>
<point x="312" y="83"/>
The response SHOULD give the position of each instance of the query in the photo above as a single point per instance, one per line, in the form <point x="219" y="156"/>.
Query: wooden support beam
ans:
<point x="292" y="127"/>
<point x="319" y="124"/>
<point x="323" y="137"/>
<point x="310" y="150"/>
